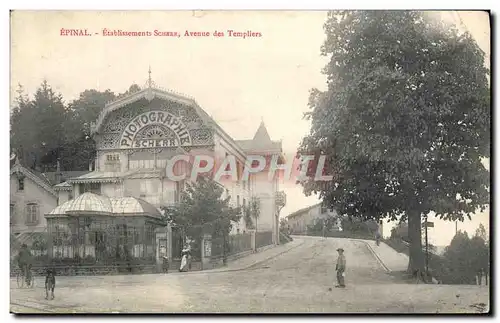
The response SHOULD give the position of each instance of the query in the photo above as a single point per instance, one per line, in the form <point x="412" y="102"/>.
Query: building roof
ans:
<point x="261" y="142"/>
<point x="65" y="186"/>
<point x="55" y="178"/>
<point x="303" y="210"/>
<point x="19" y="169"/>
<point x="114" y="177"/>
<point x="97" y="177"/>
<point x="144" y="173"/>
<point x="132" y="205"/>
<point x="90" y="203"/>
<point x="262" y="136"/>
<point x="61" y="209"/>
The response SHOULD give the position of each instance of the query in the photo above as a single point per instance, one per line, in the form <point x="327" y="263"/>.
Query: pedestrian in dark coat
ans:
<point x="340" y="268"/>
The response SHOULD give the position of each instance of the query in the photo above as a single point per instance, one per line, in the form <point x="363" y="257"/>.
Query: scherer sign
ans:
<point x="130" y="138"/>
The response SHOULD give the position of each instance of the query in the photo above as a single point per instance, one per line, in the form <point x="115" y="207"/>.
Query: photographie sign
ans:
<point x="164" y="123"/>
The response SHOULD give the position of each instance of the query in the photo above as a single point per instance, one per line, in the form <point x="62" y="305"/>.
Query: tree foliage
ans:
<point x="465" y="257"/>
<point x="400" y="231"/>
<point x="357" y="226"/>
<point x="203" y="210"/>
<point x="44" y="129"/>
<point x="405" y="122"/>
<point x="252" y="212"/>
<point x="39" y="126"/>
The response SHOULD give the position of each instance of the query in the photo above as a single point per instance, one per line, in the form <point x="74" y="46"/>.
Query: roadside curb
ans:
<point x="222" y="270"/>
<point x="255" y="263"/>
<point x="381" y="263"/>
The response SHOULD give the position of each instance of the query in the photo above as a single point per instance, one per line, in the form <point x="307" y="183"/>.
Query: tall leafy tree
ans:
<point x="405" y="122"/>
<point x="481" y="250"/>
<point x="132" y="89"/>
<point x="39" y="127"/>
<point x="252" y="212"/>
<point x="481" y="233"/>
<point x="203" y="210"/>
<point x="86" y="110"/>
<point x="89" y="105"/>
<point x="22" y="138"/>
<point x="465" y="257"/>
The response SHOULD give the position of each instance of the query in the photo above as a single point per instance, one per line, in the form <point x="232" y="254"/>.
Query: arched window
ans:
<point x="32" y="211"/>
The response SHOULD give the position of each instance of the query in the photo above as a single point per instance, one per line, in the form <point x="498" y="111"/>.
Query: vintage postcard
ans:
<point x="250" y="162"/>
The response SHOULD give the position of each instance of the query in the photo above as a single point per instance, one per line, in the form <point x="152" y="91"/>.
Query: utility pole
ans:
<point x="456" y="227"/>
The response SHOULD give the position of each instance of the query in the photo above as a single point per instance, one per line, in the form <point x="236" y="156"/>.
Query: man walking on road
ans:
<point x="340" y="268"/>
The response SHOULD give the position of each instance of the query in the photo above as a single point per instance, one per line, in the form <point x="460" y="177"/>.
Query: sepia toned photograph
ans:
<point x="250" y="162"/>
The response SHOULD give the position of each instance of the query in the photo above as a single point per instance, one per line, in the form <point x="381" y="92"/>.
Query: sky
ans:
<point x="239" y="82"/>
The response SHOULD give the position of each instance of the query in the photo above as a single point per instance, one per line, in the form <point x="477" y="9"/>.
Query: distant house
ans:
<point x="33" y="194"/>
<point x="299" y="220"/>
<point x="31" y="197"/>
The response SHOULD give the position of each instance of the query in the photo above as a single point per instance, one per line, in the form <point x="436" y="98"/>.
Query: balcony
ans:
<point x="280" y="198"/>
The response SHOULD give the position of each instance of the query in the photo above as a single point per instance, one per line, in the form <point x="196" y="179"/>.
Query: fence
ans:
<point x="234" y="244"/>
<point x="218" y="247"/>
<point x="263" y="239"/>
<point x="240" y="243"/>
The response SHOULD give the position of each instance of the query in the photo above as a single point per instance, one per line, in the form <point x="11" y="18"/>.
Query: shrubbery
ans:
<point x="460" y="263"/>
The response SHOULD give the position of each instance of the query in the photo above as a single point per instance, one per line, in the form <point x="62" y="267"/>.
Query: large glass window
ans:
<point x="112" y="157"/>
<point x="90" y="187"/>
<point x="139" y="164"/>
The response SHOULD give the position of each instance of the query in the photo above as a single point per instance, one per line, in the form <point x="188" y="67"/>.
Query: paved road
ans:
<point x="296" y="281"/>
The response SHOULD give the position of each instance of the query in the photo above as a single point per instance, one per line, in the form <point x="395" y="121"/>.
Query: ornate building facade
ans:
<point x="136" y="137"/>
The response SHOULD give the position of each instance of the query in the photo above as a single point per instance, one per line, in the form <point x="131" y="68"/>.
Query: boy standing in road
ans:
<point x="340" y="268"/>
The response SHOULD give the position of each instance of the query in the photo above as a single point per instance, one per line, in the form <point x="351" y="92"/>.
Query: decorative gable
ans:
<point x="155" y="123"/>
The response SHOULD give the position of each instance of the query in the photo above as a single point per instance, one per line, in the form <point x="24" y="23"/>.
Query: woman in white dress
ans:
<point x="184" y="259"/>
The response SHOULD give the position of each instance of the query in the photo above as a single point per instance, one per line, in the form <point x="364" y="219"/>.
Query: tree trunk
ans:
<point x="416" y="264"/>
<point x="224" y="255"/>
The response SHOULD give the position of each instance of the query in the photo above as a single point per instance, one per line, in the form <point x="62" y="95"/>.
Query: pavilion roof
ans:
<point x="94" y="204"/>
